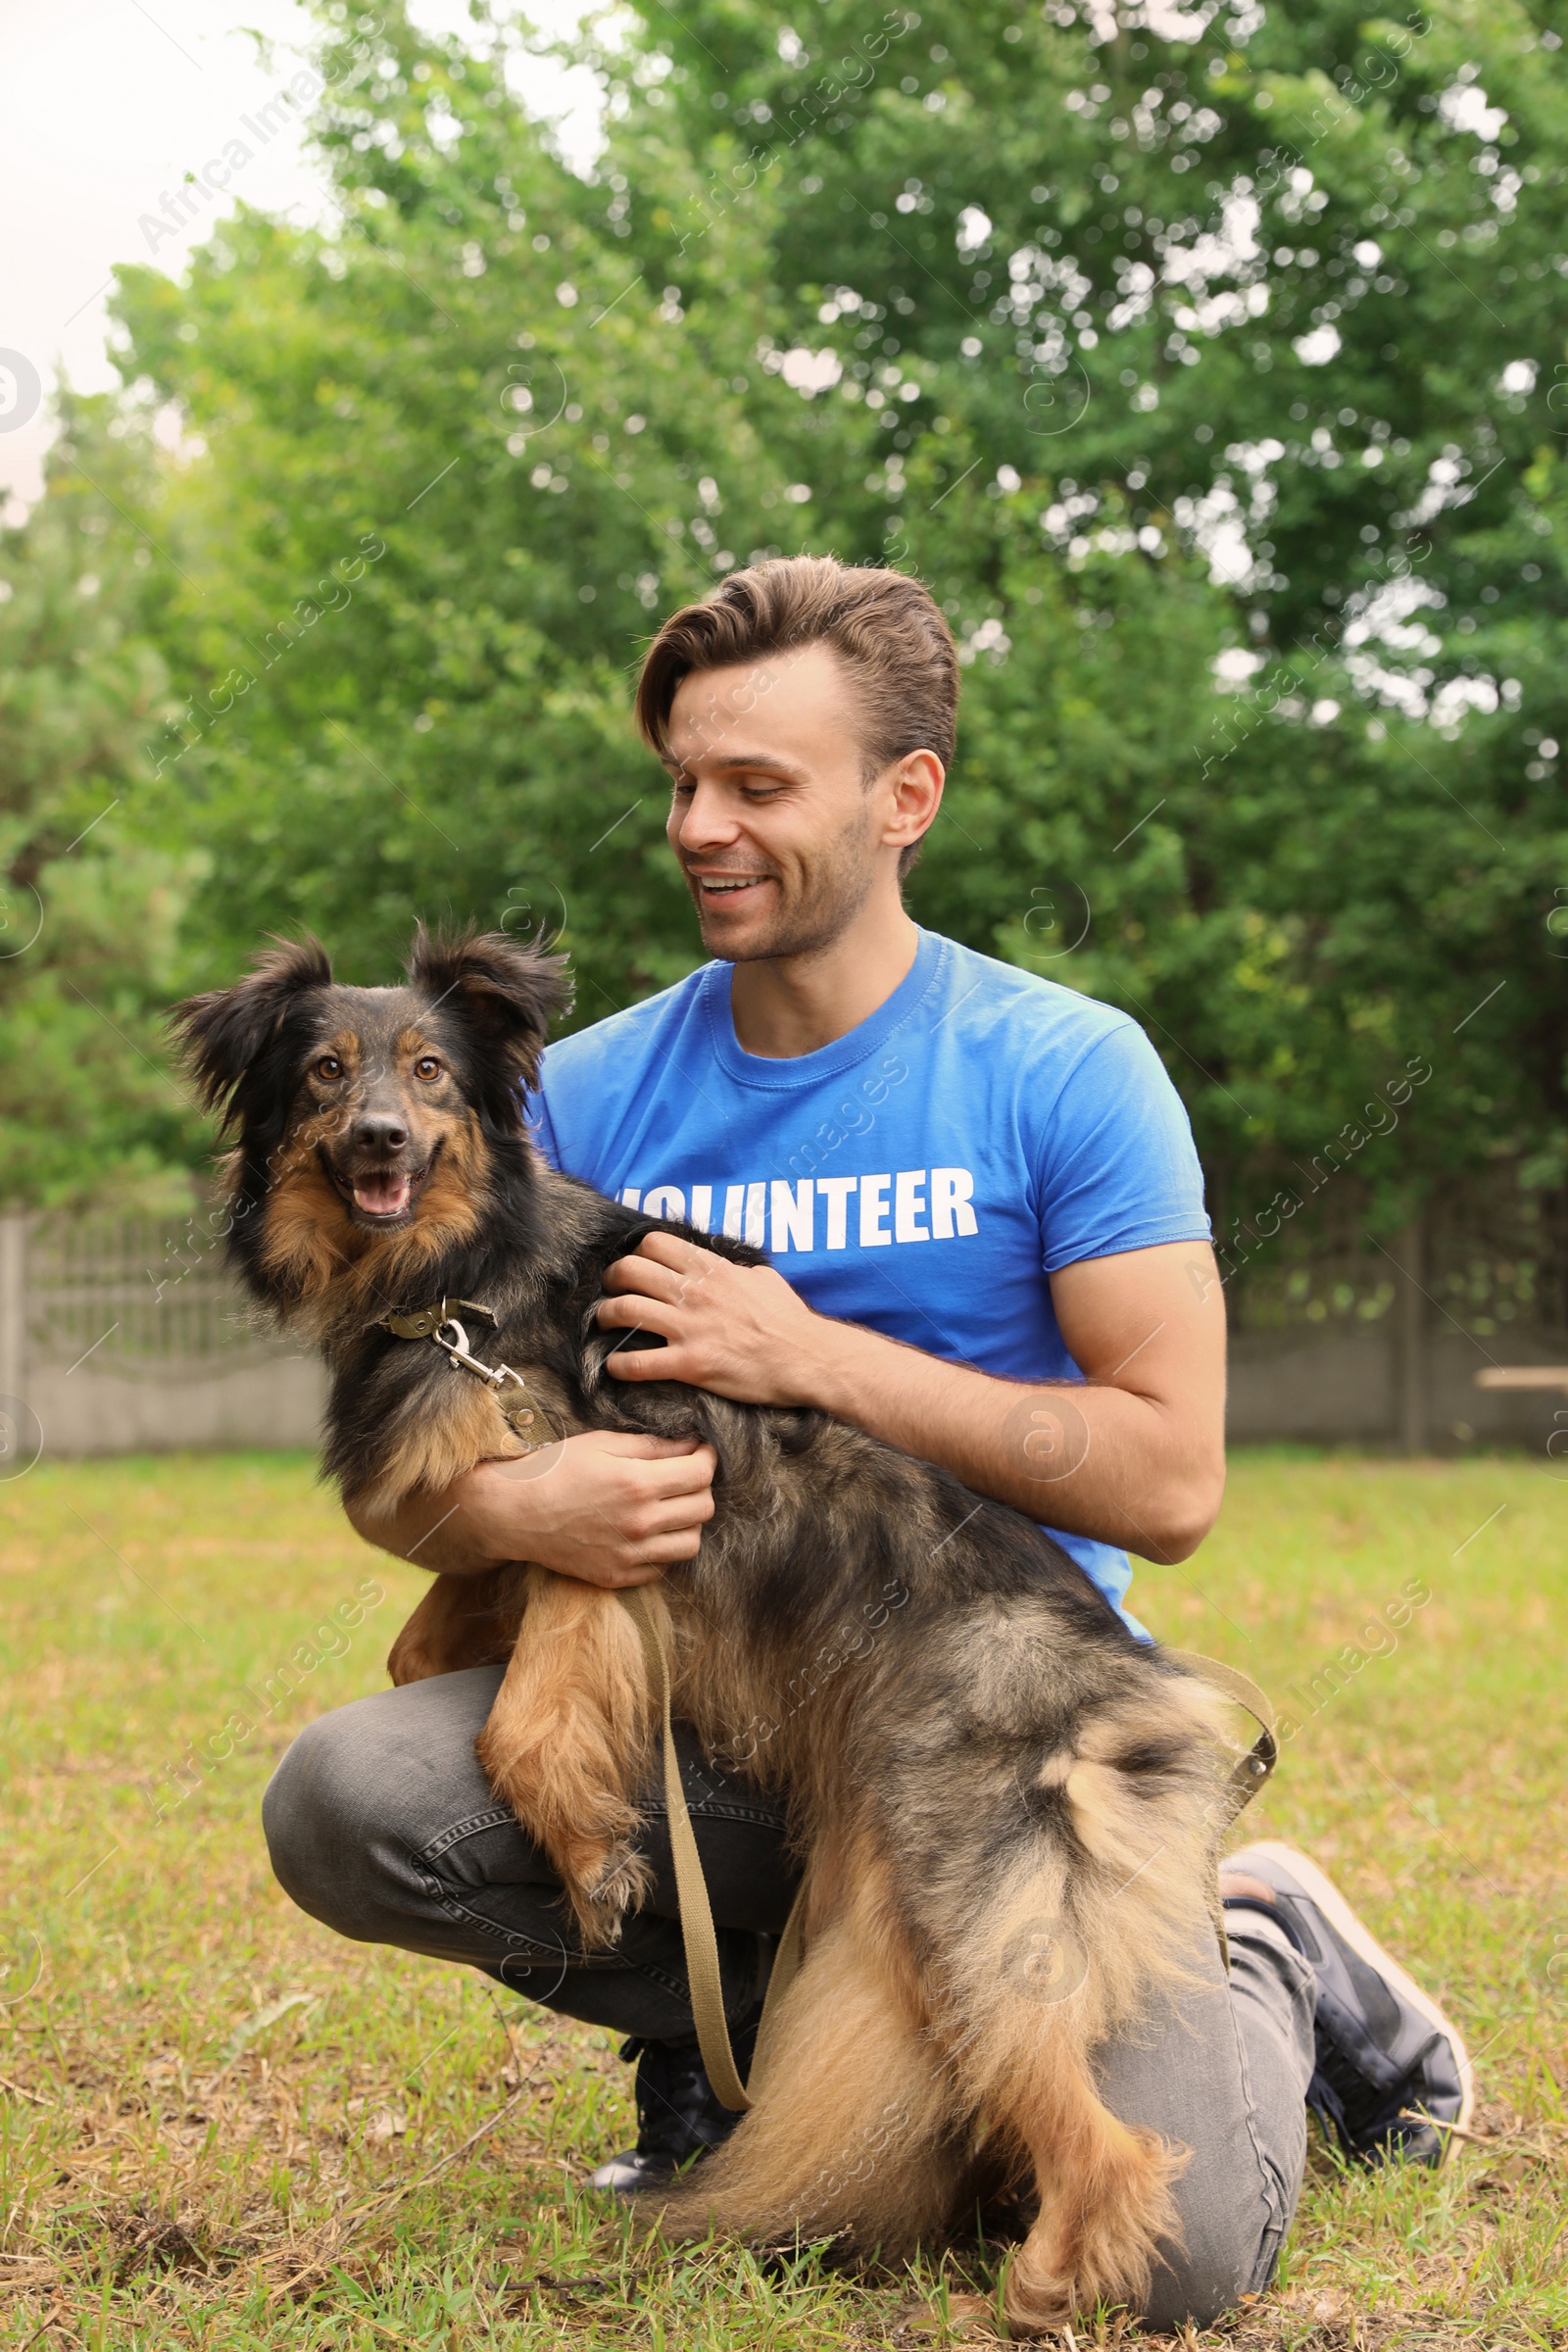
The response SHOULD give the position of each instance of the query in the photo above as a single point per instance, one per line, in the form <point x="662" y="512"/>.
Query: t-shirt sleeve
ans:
<point x="536" y="1118"/>
<point x="1115" y="1165"/>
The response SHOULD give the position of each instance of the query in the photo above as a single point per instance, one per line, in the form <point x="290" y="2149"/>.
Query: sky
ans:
<point x="105" y="106"/>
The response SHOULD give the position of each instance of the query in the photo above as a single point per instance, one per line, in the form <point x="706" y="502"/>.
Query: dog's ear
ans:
<point x="221" y="1034"/>
<point x="505" y="990"/>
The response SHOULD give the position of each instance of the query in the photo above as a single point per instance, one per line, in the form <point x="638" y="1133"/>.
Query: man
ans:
<point x="985" y="1214"/>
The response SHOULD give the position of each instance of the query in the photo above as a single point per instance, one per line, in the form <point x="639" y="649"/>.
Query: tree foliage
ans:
<point x="89" y="913"/>
<point x="1204" y="362"/>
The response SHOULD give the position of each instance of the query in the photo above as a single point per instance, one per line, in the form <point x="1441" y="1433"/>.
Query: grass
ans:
<point x="222" y="2126"/>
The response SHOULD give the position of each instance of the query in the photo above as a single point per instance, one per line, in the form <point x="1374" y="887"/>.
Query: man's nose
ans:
<point x="708" y="818"/>
<point x="379" y="1131"/>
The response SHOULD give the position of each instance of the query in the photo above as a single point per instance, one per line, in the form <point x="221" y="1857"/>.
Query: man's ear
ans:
<point x="505" y="990"/>
<point x="221" y="1034"/>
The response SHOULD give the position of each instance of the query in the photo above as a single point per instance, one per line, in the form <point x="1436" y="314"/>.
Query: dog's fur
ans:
<point x="1004" y="1804"/>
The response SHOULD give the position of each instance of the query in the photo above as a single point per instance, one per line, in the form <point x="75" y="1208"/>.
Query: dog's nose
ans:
<point x="379" y="1131"/>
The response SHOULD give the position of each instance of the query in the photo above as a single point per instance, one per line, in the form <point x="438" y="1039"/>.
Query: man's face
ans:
<point x="777" y="833"/>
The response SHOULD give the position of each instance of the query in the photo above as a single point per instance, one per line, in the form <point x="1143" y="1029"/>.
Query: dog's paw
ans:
<point x="602" y="1896"/>
<point x="960" y="2319"/>
<point x="1041" y="2305"/>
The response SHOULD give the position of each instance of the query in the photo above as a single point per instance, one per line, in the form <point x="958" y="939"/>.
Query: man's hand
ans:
<point x="609" y="1507"/>
<point x="1132" y="1454"/>
<point x="738" y="1331"/>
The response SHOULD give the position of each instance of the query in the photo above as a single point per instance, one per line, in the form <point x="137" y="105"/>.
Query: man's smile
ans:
<point x="713" y="886"/>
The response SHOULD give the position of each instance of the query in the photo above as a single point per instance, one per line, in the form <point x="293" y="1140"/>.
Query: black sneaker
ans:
<point x="1391" y="2070"/>
<point x="679" y="2118"/>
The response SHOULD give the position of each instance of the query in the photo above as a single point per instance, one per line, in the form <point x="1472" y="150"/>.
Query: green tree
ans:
<point x="1275" y="302"/>
<point x="1206" y="374"/>
<point x="89" y="913"/>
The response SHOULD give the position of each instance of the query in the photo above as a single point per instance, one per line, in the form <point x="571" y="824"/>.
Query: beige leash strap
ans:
<point x="1254" y="1768"/>
<point x="691" y="1889"/>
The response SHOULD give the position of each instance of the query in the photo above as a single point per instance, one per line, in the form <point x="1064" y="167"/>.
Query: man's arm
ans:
<point x="606" y="1506"/>
<point x="1134" y="1455"/>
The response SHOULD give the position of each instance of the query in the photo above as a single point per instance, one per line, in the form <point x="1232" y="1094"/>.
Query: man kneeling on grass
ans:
<point x="985" y="1214"/>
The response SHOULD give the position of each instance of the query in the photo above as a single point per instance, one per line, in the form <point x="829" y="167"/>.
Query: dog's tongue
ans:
<point x="382" y="1193"/>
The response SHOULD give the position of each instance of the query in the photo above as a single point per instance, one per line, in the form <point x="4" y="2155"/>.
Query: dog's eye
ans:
<point x="427" y="1067"/>
<point x="329" y="1066"/>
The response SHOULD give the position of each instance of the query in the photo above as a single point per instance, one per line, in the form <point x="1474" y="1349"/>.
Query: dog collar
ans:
<point x="424" y="1322"/>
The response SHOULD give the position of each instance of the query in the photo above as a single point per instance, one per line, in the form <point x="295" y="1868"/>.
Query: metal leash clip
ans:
<point x="520" y="1410"/>
<point x="508" y="1388"/>
<point x="457" y="1351"/>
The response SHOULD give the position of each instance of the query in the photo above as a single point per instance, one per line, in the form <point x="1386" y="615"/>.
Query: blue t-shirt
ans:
<point x="923" y="1174"/>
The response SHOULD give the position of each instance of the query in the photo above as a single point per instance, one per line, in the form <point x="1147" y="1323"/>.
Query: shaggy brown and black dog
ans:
<point x="1006" y="1808"/>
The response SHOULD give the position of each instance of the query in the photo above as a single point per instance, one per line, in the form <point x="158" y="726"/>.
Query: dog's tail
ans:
<point x="955" y="1998"/>
<point x="1099" y="1910"/>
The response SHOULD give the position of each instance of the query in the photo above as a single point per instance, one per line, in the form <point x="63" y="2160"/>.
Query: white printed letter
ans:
<point x="907" y="1187"/>
<point x="874" y="1213"/>
<point x="665" y="1201"/>
<point x="952" y="1191"/>
<point x="793" y="1217"/>
<point x="836" y="1191"/>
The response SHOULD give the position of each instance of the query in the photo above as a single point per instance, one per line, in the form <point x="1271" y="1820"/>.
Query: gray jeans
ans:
<point x="380" y="1824"/>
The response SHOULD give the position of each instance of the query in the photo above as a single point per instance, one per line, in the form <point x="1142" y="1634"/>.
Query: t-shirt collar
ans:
<point x="845" y="1052"/>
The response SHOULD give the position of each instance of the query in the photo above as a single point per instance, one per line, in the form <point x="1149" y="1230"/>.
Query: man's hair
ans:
<point x="887" y="630"/>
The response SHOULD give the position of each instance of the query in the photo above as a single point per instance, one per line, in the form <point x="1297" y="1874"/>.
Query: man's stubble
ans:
<point x="830" y="896"/>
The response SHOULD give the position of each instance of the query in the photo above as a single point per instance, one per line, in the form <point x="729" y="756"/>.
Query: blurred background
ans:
<point x="372" y="383"/>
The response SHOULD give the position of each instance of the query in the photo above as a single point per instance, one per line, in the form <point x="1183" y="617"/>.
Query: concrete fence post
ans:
<point x="1410" y="1407"/>
<point x="12" y="1304"/>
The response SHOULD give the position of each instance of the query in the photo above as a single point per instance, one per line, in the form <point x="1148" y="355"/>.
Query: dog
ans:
<point x="1007" y="1813"/>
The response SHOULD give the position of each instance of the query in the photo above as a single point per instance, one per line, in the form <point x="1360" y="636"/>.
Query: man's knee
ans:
<point x="366" y="1790"/>
<point x="1235" y="2201"/>
<point x="1216" y="2072"/>
<point x="319" y="1815"/>
<point x="1195" y="2285"/>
